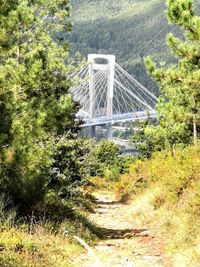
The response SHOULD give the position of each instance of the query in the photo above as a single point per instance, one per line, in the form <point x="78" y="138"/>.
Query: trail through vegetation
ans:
<point x="48" y="172"/>
<point x="125" y="241"/>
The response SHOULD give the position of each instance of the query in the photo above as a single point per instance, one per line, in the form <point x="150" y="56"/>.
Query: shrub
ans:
<point x="7" y="213"/>
<point x="70" y="168"/>
<point x="108" y="158"/>
<point x="177" y="176"/>
<point x="112" y="174"/>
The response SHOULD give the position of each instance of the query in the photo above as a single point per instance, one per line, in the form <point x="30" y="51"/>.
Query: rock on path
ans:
<point x="124" y="244"/>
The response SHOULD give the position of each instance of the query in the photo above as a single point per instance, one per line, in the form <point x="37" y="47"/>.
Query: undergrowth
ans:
<point x="173" y="182"/>
<point x="43" y="238"/>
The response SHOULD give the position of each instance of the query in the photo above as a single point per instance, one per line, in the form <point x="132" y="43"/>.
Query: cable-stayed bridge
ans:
<point x="108" y="94"/>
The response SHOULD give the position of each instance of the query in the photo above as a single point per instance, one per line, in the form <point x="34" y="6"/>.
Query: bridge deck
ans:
<point x="140" y="115"/>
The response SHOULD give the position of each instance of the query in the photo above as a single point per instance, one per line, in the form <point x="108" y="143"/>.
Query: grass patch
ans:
<point x="46" y="236"/>
<point x="19" y="248"/>
<point x="173" y="205"/>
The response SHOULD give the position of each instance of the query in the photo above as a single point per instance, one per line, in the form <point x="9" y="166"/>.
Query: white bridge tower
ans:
<point x="107" y="94"/>
<point x="101" y="63"/>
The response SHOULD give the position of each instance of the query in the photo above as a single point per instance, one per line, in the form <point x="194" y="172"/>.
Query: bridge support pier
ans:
<point x="109" y="133"/>
<point x="92" y="131"/>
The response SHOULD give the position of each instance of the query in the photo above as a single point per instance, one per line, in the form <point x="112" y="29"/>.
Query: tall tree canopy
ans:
<point x="35" y="107"/>
<point x="179" y="105"/>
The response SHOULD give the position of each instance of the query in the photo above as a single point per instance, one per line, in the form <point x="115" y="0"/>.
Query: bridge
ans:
<point x="108" y="94"/>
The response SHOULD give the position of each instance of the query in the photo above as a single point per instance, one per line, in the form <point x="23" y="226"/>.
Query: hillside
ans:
<point x="130" y="29"/>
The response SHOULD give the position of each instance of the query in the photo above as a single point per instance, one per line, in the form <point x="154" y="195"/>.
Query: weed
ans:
<point x="7" y="213"/>
<point x="176" y="197"/>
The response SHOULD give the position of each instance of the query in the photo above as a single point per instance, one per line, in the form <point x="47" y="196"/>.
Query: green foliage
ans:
<point x="107" y="152"/>
<point x="123" y="28"/>
<point x="165" y="193"/>
<point x="179" y="180"/>
<point x="7" y="213"/>
<point x="123" y="134"/>
<point x="178" y="108"/>
<point x="108" y="161"/>
<point x="43" y="248"/>
<point x="178" y="176"/>
<point x="133" y="182"/>
<point x="172" y="182"/>
<point x="35" y="107"/>
<point x="70" y="168"/>
<point x="143" y="141"/>
<point x="103" y="157"/>
<point x="112" y="174"/>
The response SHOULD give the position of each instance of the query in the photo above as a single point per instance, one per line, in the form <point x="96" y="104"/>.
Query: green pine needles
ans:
<point x="179" y="105"/>
<point x="35" y="106"/>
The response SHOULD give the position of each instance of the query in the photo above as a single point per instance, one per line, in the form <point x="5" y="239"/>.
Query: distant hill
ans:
<point x="130" y="29"/>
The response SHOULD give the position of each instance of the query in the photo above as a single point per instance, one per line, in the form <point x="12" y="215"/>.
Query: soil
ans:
<point x="124" y="243"/>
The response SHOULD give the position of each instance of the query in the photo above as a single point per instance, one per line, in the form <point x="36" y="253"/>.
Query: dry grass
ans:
<point x="165" y="193"/>
<point x="41" y="249"/>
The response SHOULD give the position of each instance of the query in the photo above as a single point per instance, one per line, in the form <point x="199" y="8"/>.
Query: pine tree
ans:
<point x="179" y="105"/>
<point x="35" y="106"/>
<point x="142" y="140"/>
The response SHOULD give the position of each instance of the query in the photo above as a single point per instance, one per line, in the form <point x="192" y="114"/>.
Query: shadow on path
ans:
<point x="104" y="207"/>
<point x="123" y="242"/>
<point x="106" y="233"/>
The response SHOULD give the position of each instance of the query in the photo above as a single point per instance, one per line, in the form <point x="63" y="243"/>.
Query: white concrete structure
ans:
<point x="108" y="94"/>
<point x="108" y="66"/>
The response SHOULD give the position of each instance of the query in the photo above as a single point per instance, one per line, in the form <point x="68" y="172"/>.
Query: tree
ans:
<point x="35" y="106"/>
<point x="70" y="169"/>
<point x="105" y="154"/>
<point x="179" y="104"/>
<point x="142" y="141"/>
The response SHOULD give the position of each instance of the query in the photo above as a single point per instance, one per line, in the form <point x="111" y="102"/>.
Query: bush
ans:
<point x="132" y="182"/>
<point x="175" y="174"/>
<point x="23" y="172"/>
<point x="112" y="174"/>
<point x="106" y="152"/>
<point x="107" y="158"/>
<point x="70" y="168"/>
<point x="170" y="184"/>
<point x="7" y="213"/>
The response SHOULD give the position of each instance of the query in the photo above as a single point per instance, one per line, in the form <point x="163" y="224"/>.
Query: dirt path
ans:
<point x="125" y="244"/>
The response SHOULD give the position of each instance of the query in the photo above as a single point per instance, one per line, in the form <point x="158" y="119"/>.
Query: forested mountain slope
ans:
<point x="130" y="29"/>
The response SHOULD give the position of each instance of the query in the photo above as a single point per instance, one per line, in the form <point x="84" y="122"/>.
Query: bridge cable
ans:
<point x="129" y="84"/>
<point x="136" y="82"/>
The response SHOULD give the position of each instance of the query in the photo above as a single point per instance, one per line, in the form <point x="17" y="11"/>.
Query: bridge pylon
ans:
<point x="100" y="62"/>
<point x="107" y="94"/>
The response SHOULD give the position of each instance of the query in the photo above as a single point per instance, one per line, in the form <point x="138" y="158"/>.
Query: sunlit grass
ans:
<point x="34" y="241"/>
<point x="19" y="248"/>
<point x="165" y="194"/>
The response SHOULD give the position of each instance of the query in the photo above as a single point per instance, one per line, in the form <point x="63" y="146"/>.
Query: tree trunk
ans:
<point x="194" y="129"/>
<point x="173" y="150"/>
